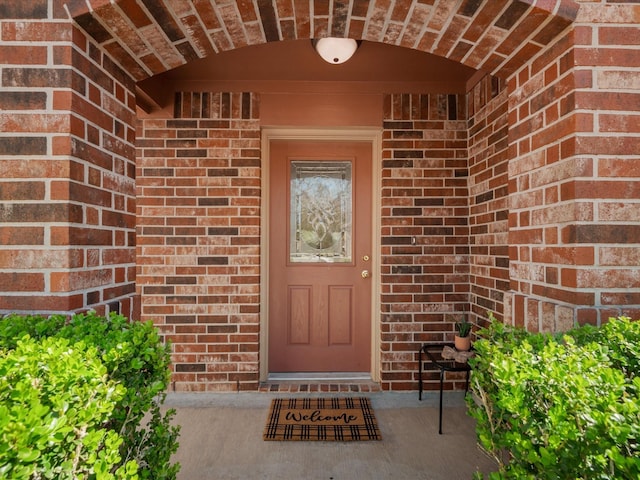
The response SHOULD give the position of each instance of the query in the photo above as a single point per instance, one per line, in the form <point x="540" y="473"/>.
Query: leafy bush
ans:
<point x="53" y="401"/>
<point x="559" y="406"/>
<point x="621" y="337"/>
<point x="135" y="363"/>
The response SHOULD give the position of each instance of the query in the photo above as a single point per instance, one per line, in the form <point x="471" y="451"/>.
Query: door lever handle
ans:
<point x="365" y="274"/>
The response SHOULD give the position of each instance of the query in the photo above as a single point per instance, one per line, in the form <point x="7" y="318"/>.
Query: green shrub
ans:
<point x="54" y="399"/>
<point x="563" y="406"/>
<point x="136" y="360"/>
<point x="621" y="337"/>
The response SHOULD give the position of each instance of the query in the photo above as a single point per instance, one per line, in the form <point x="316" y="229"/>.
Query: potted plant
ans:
<point x="463" y="335"/>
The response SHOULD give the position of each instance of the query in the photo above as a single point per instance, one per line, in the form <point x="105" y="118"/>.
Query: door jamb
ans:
<point x="373" y="135"/>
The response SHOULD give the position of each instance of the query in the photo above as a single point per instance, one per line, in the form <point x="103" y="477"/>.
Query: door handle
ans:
<point x="365" y="274"/>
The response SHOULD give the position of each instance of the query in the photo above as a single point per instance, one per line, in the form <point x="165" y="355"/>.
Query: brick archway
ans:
<point x="496" y="36"/>
<point x="147" y="38"/>
<point x="545" y="170"/>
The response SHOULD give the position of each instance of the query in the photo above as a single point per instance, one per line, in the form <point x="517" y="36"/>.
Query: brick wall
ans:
<point x="67" y="204"/>
<point x="541" y="116"/>
<point x="424" y="221"/>
<point x="198" y="233"/>
<point x="607" y="99"/>
<point x="574" y="223"/>
<point x="198" y="185"/>
<point x="488" y="198"/>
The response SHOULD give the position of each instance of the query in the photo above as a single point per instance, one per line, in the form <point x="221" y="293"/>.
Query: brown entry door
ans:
<point x="320" y="256"/>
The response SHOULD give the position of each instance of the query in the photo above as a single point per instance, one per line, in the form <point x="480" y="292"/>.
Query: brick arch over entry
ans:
<point x="551" y="227"/>
<point x="153" y="36"/>
<point x="544" y="222"/>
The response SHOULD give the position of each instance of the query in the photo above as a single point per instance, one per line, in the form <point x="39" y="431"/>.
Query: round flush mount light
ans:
<point x="335" y="50"/>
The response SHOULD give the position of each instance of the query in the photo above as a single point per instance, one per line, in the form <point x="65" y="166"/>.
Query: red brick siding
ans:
<point x="424" y="221"/>
<point x="574" y="222"/>
<point x="67" y="207"/>
<point x="198" y="185"/>
<point x="542" y="121"/>
<point x="488" y="198"/>
<point x="608" y="134"/>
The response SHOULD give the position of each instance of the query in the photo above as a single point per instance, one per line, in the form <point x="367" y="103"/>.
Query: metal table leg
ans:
<point x="443" y="366"/>
<point x="441" y="385"/>
<point x="420" y="375"/>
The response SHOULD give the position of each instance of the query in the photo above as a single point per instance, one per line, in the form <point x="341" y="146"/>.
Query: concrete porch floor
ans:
<point x="221" y="438"/>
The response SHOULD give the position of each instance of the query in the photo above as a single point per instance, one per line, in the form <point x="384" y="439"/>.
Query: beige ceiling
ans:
<point x="294" y="66"/>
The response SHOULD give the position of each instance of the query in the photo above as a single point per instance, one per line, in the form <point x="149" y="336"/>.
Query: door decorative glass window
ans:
<point x="321" y="229"/>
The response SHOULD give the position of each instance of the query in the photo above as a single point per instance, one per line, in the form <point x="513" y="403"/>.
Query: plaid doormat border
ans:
<point x="321" y="419"/>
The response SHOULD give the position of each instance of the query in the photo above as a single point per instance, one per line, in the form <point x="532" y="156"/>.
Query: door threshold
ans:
<point x="319" y="377"/>
<point x="320" y="383"/>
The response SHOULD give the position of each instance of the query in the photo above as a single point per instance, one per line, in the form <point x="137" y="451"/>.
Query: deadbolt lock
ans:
<point x="365" y="258"/>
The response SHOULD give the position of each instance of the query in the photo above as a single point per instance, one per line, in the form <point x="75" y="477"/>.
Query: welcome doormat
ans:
<point x="323" y="419"/>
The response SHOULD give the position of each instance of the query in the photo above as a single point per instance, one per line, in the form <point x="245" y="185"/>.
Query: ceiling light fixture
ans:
<point x="335" y="50"/>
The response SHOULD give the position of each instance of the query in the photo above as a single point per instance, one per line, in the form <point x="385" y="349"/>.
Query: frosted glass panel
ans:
<point x="320" y="212"/>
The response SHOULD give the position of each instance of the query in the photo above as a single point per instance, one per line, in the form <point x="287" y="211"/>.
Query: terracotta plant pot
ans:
<point x="462" y="343"/>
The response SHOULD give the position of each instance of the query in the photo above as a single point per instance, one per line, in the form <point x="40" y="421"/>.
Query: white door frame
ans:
<point x="373" y="135"/>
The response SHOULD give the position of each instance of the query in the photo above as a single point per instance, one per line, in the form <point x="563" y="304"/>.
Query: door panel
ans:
<point x="299" y="315"/>
<point x="340" y="315"/>
<point x="319" y="243"/>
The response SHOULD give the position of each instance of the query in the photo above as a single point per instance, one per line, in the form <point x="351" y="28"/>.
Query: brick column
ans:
<point x="424" y="220"/>
<point x="67" y="196"/>
<point x="488" y="198"/>
<point x="199" y="237"/>
<point x="574" y="177"/>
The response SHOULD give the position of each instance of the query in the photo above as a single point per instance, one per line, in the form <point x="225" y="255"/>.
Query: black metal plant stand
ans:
<point x="433" y="351"/>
